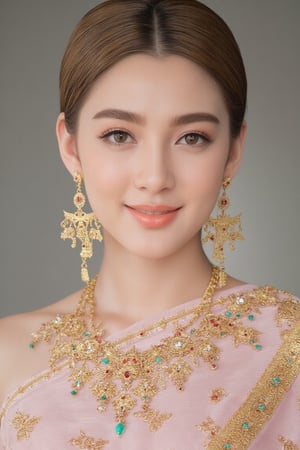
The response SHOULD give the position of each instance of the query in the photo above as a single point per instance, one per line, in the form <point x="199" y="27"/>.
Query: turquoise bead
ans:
<point x="262" y="406"/>
<point x="120" y="428"/>
<point x="73" y="392"/>
<point x="238" y="315"/>
<point x="227" y="446"/>
<point x="103" y="397"/>
<point x="105" y="360"/>
<point x="86" y="333"/>
<point x="258" y="346"/>
<point x="228" y="314"/>
<point x="251" y="317"/>
<point x="158" y="360"/>
<point x="245" y="425"/>
<point x="31" y="345"/>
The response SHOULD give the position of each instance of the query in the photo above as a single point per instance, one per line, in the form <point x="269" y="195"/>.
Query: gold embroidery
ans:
<point x="288" y="310"/>
<point x="24" y="424"/>
<point x="209" y="427"/>
<point x="123" y="378"/>
<point x="85" y="442"/>
<point x="152" y="417"/>
<point x="287" y="445"/>
<point x="217" y="394"/>
<point x="245" y="424"/>
<point x="43" y="376"/>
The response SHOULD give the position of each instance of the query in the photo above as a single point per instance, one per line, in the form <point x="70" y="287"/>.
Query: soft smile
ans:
<point x="153" y="216"/>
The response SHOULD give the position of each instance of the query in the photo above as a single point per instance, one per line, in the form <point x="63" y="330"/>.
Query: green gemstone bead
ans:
<point x="103" y="397"/>
<point x="262" y="406"/>
<point x="73" y="392"/>
<point x="31" y="345"/>
<point x="245" y="425"/>
<point x="105" y="360"/>
<point x="276" y="380"/>
<point x="251" y="317"/>
<point x="258" y="346"/>
<point x="158" y="360"/>
<point x="238" y="315"/>
<point x="228" y="314"/>
<point x="227" y="446"/>
<point x="120" y="428"/>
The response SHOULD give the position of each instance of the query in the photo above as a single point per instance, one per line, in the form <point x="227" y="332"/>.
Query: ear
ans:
<point x="236" y="152"/>
<point x="67" y="146"/>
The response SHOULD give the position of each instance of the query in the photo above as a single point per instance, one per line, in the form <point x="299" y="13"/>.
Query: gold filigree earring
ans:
<point x="221" y="229"/>
<point x="82" y="226"/>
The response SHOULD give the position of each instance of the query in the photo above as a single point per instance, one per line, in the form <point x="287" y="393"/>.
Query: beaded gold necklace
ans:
<point x="122" y="378"/>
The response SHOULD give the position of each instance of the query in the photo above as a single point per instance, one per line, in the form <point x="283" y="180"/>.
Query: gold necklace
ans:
<point x="122" y="378"/>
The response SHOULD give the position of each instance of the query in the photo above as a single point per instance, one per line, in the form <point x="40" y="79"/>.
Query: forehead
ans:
<point x="162" y="84"/>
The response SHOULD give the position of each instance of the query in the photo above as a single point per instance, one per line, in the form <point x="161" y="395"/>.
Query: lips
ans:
<point x="153" y="216"/>
<point x="154" y="209"/>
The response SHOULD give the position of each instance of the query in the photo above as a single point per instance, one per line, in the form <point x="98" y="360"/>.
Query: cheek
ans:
<point x="203" y="180"/>
<point x="104" y="181"/>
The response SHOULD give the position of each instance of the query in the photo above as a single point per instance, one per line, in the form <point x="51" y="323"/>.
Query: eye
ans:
<point x="193" y="139"/>
<point x="117" y="137"/>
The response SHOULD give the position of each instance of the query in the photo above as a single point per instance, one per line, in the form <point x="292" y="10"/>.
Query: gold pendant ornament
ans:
<point x="223" y="228"/>
<point x="82" y="226"/>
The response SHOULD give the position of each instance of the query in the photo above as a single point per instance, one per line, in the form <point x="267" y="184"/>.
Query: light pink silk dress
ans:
<point x="250" y="400"/>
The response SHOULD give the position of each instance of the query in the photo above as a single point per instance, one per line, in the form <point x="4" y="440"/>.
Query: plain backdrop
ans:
<point x="36" y="266"/>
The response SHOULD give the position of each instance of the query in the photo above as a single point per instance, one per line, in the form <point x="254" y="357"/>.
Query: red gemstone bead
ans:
<point x="127" y="374"/>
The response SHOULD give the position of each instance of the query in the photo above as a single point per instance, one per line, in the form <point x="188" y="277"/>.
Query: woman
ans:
<point x="162" y="350"/>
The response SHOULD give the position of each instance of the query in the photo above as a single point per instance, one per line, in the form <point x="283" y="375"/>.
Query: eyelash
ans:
<point x="112" y="132"/>
<point x="200" y="135"/>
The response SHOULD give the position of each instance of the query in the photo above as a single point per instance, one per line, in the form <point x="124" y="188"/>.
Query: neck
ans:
<point x="133" y="288"/>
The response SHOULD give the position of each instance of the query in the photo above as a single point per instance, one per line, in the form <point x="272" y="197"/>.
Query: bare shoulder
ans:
<point x="20" y="362"/>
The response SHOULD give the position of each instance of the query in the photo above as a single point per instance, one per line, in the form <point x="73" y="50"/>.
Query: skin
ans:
<point x="157" y="158"/>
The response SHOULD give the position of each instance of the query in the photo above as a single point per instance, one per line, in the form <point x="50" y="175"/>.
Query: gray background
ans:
<point x="36" y="266"/>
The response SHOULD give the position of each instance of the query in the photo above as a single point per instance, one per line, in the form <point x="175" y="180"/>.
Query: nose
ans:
<point x="154" y="168"/>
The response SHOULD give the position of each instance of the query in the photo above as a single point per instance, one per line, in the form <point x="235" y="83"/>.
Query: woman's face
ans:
<point x="153" y="145"/>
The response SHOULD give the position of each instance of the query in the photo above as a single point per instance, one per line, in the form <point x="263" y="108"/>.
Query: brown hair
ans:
<point x="117" y="28"/>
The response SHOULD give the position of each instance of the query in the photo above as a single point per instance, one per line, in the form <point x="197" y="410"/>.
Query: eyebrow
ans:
<point x="128" y="116"/>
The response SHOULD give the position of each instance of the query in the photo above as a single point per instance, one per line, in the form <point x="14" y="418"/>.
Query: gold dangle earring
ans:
<point x="83" y="226"/>
<point x="221" y="229"/>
